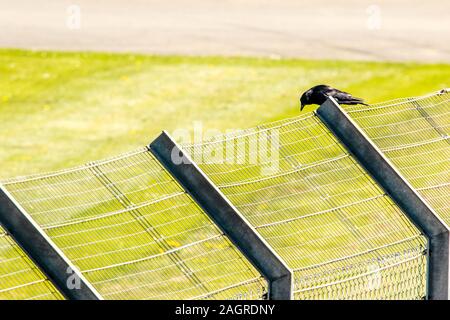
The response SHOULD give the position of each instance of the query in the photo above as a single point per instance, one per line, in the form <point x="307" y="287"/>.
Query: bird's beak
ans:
<point x="302" y="106"/>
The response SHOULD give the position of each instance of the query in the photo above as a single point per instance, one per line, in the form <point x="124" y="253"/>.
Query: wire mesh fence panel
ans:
<point x="20" y="278"/>
<point x="393" y="276"/>
<point x="135" y="234"/>
<point x="343" y="237"/>
<point x="414" y="133"/>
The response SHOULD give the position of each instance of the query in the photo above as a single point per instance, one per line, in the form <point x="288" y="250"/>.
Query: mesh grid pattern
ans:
<point x="134" y="233"/>
<point x="389" y="277"/>
<point x="414" y="134"/>
<point x="319" y="210"/>
<point x="20" y="279"/>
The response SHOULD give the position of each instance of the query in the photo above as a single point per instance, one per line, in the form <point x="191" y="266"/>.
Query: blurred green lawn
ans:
<point x="63" y="109"/>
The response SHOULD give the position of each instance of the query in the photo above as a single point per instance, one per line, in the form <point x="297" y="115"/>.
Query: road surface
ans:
<point x="352" y="29"/>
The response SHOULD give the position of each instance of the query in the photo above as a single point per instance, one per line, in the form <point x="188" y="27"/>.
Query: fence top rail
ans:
<point x="81" y="167"/>
<point x="218" y="138"/>
<point x="395" y="102"/>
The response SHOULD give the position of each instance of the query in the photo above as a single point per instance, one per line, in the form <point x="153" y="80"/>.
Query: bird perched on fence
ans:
<point x="319" y="94"/>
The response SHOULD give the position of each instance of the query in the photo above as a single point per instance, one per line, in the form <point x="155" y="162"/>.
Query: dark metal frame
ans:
<point x="226" y="216"/>
<point x="42" y="251"/>
<point x="399" y="189"/>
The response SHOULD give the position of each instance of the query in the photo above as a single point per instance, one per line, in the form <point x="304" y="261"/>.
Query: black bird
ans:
<point x="319" y="94"/>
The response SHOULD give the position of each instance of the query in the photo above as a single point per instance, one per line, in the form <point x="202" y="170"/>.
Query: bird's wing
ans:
<point x="346" y="98"/>
<point x="341" y="95"/>
<point x="353" y="101"/>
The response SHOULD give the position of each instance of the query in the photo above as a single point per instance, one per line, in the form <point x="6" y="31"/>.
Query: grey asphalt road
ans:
<point x="353" y="29"/>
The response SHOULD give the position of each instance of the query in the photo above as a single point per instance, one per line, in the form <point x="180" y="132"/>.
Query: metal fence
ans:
<point x="20" y="278"/>
<point x="320" y="211"/>
<point x="134" y="233"/>
<point x="414" y="134"/>
<point x="136" y="229"/>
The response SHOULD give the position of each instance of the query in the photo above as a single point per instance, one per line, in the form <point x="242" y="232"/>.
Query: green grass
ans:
<point x="63" y="109"/>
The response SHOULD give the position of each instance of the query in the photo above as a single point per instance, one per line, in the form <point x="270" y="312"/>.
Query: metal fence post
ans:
<point x="45" y="254"/>
<point x="225" y="215"/>
<point x="394" y="184"/>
